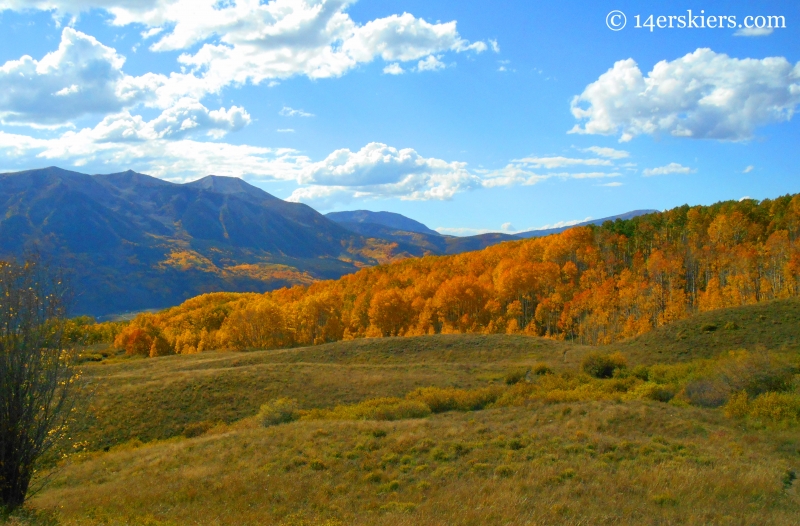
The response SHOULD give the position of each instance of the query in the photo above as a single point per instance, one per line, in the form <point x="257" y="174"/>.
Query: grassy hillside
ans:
<point x="772" y="325"/>
<point x="582" y="463"/>
<point x="176" y="440"/>
<point x="156" y="399"/>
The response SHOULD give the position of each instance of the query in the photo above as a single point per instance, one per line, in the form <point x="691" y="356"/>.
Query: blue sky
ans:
<point x="467" y="116"/>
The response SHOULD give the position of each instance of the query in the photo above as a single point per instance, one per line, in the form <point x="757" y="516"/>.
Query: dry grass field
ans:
<point x="176" y="440"/>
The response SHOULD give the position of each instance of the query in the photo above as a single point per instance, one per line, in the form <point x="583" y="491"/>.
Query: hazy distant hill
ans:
<point x="388" y="219"/>
<point x="132" y="241"/>
<point x="548" y="231"/>
<point x="401" y="229"/>
<point x="407" y="232"/>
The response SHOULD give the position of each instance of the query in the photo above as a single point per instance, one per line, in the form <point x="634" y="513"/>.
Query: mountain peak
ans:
<point x="229" y="185"/>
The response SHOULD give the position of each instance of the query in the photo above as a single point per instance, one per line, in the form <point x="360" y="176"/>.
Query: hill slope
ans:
<point x="409" y="233"/>
<point x="547" y="461"/>
<point x="134" y="242"/>
<point x="387" y="219"/>
<point x="426" y="244"/>
<point x="155" y="399"/>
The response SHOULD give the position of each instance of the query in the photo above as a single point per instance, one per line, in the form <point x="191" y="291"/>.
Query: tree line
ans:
<point x="591" y="285"/>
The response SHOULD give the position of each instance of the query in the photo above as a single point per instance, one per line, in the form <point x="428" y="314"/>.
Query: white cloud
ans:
<point x="558" y="162"/>
<point x="84" y="77"/>
<point x="152" y="32"/>
<point x="611" y="185"/>
<point x="703" y="95"/>
<point x="753" y="32"/>
<point x="430" y="63"/>
<point x="394" y="69"/>
<point x="81" y="77"/>
<point x="285" y="130"/>
<point x="671" y="168"/>
<point x="380" y="170"/>
<point x="494" y="45"/>
<point x="250" y="41"/>
<point x="748" y="169"/>
<point x="286" y="111"/>
<point x="463" y="231"/>
<point x="609" y="153"/>
<point x="745" y="198"/>
<point x="587" y="175"/>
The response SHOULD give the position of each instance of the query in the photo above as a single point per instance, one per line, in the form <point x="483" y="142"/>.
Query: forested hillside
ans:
<point x="590" y="285"/>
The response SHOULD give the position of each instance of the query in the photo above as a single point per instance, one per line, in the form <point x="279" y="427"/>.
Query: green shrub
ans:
<point x="788" y="478"/>
<point x="776" y="407"/>
<point x="504" y="470"/>
<point x="756" y="373"/>
<point x="706" y="392"/>
<point x="603" y="365"/>
<point x="195" y="429"/>
<point x="317" y="465"/>
<point x="278" y="411"/>
<point x="653" y="391"/>
<point x="641" y="372"/>
<point x="516" y="376"/>
<point x="376" y="409"/>
<point x="771" y="407"/>
<point x="451" y="399"/>
<point x="708" y="327"/>
<point x="541" y="369"/>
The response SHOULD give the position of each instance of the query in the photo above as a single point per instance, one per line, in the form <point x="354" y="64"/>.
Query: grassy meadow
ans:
<point x="447" y="429"/>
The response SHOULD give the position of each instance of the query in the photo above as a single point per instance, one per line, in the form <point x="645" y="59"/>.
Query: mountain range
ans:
<point x="131" y="242"/>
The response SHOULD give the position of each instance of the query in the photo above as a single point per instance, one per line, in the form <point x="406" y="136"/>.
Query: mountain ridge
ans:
<point x="132" y="241"/>
<point x="388" y="219"/>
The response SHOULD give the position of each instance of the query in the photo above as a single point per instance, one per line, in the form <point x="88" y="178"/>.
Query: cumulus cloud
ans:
<point x="84" y="77"/>
<point x="239" y="42"/>
<point x="81" y="77"/>
<point x="250" y="40"/>
<point x="394" y="69"/>
<point x="671" y="168"/>
<point x="609" y="153"/>
<point x="430" y="63"/>
<point x="748" y="169"/>
<point x="381" y="170"/>
<point x="703" y="95"/>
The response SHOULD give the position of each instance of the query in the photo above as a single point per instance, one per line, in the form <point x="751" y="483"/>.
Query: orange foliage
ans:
<point x="591" y="285"/>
